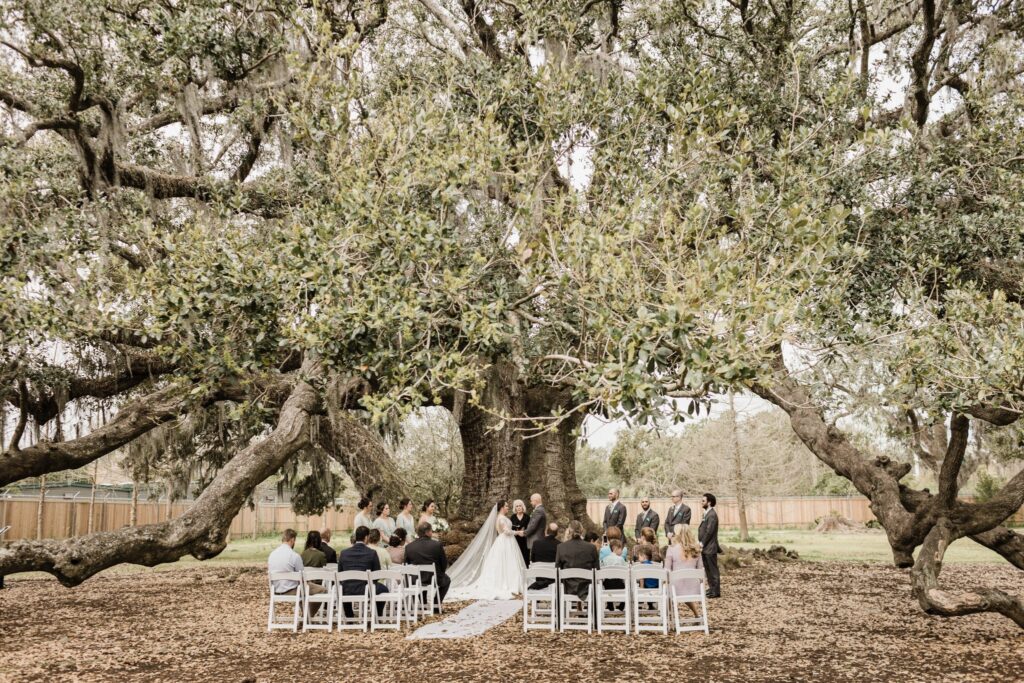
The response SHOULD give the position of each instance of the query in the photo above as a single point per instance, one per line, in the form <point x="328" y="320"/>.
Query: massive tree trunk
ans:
<point x="505" y="457"/>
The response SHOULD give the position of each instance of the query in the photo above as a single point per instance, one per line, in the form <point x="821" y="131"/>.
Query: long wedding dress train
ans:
<point x="491" y="568"/>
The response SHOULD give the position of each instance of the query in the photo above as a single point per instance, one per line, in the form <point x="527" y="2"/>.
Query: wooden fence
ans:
<point x="65" y="518"/>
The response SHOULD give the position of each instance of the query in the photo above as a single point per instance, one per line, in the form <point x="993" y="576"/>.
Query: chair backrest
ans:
<point x="638" y="573"/>
<point x="389" y="575"/>
<point x="542" y="564"/>
<point x="541" y="572"/>
<point x="564" y="574"/>
<point x="410" y="572"/>
<point x="680" y="574"/>
<point x="426" y="569"/>
<point x="352" y="575"/>
<point x="285" y="576"/>
<point x="319" y="574"/>
<point x="620" y="573"/>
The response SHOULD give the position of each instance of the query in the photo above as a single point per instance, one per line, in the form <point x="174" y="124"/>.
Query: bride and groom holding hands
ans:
<point x="492" y="566"/>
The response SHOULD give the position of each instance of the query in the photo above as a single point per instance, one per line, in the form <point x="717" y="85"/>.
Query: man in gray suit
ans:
<point x="534" y="531"/>
<point x="707" y="534"/>
<point x="615" y="513"/>
<point x="678" y="513"/>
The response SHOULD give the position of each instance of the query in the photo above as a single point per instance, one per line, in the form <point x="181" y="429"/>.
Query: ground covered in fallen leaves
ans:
<point x="787" y="621"/>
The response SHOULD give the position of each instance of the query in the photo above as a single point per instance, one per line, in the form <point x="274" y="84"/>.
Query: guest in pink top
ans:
<point x="685" y="554"/>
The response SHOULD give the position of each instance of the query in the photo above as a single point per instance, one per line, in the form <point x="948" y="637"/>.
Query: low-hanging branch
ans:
<point x="132" y="421"/>
<point x="201" y="531"/>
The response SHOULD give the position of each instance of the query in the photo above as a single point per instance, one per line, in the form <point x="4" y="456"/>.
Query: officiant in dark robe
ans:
<point x="520" y="520"/>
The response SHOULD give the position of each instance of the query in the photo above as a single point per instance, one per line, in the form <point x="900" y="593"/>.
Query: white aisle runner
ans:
<point x="478" y="618"/>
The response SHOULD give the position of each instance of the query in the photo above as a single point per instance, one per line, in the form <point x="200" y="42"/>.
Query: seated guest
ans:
<point x="614" y="557"/>
<point x="648" y="539"/>
<point x="359" y="558"/>
<point x="329" y="553"/>
<point x="545" y="549"/>
<point x="396" y="548"/>
<point x="425" y="550"/>
<point x="612" y="534"/>
<point x="575" y="553"/>
<point x="373" y="540"/>
<point x="384" y="523"/>
<point x="595" y="540"/>
<point x="285" y="559"/>
<point x="685" y="554"/>
<point x="312" y="555"/>
<point x="645" y="556"/>
<point x="364" y="517"/>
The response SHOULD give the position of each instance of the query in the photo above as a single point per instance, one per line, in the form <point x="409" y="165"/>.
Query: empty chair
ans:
<point x="413" y="592"/>
<point x="358" y="604"/>
<point x="650" y="604"/>
<point x="540" y="605"/>
<point x="431" y="593"/>
<point x="322" y="619"/>
<point x="390" y="615"/>
<point x="293" y="598"/>
<point x="575" y="612"/>
<point x="688" y="586"/>
<point x="612" y="599"/>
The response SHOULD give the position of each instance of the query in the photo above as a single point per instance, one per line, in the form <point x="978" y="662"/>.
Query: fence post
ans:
<point x="256" y="519"/>
<point x="39" y="510"/>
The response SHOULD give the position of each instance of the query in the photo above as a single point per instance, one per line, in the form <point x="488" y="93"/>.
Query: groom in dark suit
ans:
<point x="707" y="534"/>
<point x="534" y="531"/>
<point x="425" y="550"/>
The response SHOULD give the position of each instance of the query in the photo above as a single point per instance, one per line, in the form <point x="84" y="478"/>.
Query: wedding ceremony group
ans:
<point x="570" y="578"/>
<point x="511" y="273"/>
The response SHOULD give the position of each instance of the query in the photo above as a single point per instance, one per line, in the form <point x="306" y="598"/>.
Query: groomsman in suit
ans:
<point x="647" y="517"/>
<point x="534" y="530"/>
<point x="615" y="513"/>
<point x="359" y="558"/>
<point x="707" y="534"/>
<point x="425" y="550"/>
<point x="678" y="513"/>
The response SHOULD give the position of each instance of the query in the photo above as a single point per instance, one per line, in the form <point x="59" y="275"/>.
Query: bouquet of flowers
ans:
<point x="440" y="525"/>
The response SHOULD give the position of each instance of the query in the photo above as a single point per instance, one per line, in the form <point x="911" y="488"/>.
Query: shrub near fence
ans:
<point x="65" y="518"/>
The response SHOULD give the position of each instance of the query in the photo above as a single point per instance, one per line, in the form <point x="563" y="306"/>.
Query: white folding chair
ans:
<point x="391" y="616"/>
<point x="430" y="589"/>
<point x="543" y="601"/>
<point x="699" y="623"/>
<point x="360" y="602"/>
<point x="653" y="616"/>
<point x="294" y="599"/>
<point x="543" y="564"/>
<point x="575" y="614"/>
<point x="323" y="620"/>
<point x="608" y="617"/>
<point x="413" y="591"/>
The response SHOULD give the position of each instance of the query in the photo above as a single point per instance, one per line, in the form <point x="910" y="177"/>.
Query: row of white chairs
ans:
<point x="632" y="606"/>
<point x="408" y="598"/>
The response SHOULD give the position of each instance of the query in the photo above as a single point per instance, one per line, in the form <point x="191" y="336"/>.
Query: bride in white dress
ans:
<point x="491" y="568"/>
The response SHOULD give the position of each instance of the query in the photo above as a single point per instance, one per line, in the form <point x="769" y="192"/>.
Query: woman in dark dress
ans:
<point x="519" y="521"/>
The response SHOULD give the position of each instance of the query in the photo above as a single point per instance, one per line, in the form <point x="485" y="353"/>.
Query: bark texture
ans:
<point x="504" y="462"/>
